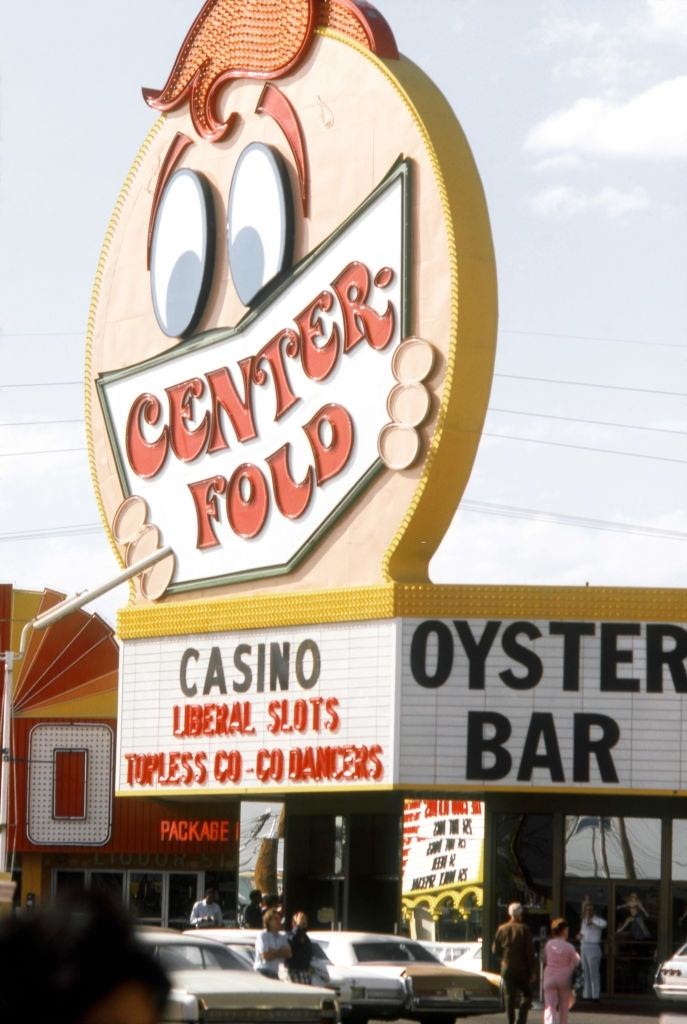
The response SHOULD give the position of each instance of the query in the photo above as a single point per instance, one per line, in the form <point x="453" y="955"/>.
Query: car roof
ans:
<point x="330" y="936"/>
<point x="169" y="937"/>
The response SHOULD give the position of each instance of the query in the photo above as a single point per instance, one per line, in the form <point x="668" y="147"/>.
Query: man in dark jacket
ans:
<point x="513" y="944"/>
<point x="252" y="914"/>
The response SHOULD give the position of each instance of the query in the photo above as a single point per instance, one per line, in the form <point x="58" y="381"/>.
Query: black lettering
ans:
<point x="311" y="648"/>
<point x="523" y="655"/>
<point x="186" y="689"/>
<point x="418" y="654"/>
<point x="674" y="658"/>
<point x="214" y="677"/>
<point x="243" y="667"/>
<point x="584" y="746"/>
<point x="279" y="665"/>
<point x="478" y="744"/>
<point x="611" y="657"/>
<point x="476" y="650"/>
<point x="572" y="633"/>
<point x="541" y="727"/>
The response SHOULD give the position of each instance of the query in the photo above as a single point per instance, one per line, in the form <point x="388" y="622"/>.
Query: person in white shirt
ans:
<point x="207" y="913"/>
<point x="590" y="936"/>
<point x="271" y="946"/>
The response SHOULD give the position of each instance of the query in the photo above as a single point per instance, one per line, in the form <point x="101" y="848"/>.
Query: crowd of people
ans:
<point x="278" y="953"/>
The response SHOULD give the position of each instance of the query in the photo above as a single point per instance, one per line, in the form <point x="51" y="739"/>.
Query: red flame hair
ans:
<point x="261" y="39"/>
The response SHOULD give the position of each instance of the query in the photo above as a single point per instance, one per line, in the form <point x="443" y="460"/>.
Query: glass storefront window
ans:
<point x="145" y="896"/>
<point x="634" y="937"/>
<point x="524" y="869"/>
<point x="601" y="847"/>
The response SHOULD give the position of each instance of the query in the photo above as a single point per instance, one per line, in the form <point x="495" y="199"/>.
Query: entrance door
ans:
<point x="630" y="910"/>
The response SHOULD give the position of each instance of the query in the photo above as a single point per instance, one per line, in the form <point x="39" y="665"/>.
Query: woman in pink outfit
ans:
<point x="560" y="960"/>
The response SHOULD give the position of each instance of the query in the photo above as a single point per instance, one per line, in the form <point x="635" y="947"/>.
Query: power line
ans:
<point x="56" y="531"/>
<point x="39" y="423"/>
<point x="45" y="384"/>
<point x="562" y="519"/>
<point x="594" y="337"/>
<point x="587" y="384"/>
<point x="483" y="507"/>
<point x="40" y="451"/>
<point x="585" y="448"/>
<point x="576" y="419"/>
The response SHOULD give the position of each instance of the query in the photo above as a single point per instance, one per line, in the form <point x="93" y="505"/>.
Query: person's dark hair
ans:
<point x="255" y="895"/>
<point x="558" y="925"/>
<point x="56" y="963"/>
<point x="270" y="900"/>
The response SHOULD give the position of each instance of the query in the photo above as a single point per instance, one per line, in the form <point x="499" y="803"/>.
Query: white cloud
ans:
<point x="651" y="125"/>
<point x="669" y="15"/>
<point x="556" y="31"/>
<point x="564" y="202"/>
<point x="562" y="162"/>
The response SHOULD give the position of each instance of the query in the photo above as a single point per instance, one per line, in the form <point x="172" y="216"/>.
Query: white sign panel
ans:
<point x="303" y="707"/>
<point x="443" y="842"/>
<point x="537" y="704"/>
<point x="247" y="443"/>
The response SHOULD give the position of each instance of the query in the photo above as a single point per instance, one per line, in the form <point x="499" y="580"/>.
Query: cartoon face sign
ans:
<point x="293" y="325"/>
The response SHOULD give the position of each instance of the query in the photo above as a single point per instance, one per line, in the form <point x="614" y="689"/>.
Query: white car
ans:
<point x="210" y="983"/>
<point x="433" y="992"/>
<point x="670" y="983"/>
<point x="362" y="994"/>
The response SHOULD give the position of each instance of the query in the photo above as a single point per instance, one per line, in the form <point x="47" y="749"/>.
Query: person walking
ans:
<point x="589" y="935"/>
<point x="271" y="946"/>
<point x="207" y="913"/>
<point x="560" y="960"/>
<point x="513" y="944"/>
<point x="301" y="949"/>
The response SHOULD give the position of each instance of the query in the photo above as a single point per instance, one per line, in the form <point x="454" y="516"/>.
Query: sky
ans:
<point x="576" y="113"/>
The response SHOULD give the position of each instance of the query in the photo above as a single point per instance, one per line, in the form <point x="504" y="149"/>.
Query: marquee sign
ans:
<point x="447" y="704"/>
<point x="283" y="385"/>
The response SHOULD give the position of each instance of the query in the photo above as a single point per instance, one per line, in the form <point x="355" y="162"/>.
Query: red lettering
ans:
<point x="360" y="320"/>
<point x="247" y="501"/>
<point x="204" y="495"/>
<point x="239" y="410"/>
<point x="330" y="454"/>
<point x="292" y="498"/>
<point x="318" y="360"/>
<point x="273" y="356"/>
<point x="146" y="458"/>
<point x="187" y="444"/>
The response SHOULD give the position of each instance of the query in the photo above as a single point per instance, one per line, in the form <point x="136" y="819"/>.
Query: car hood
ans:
<point x="424" y="974"/>
<point x="246" y="989"/>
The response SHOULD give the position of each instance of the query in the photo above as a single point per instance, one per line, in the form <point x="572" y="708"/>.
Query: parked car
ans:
<point x="466" y="956"/>
<point x="362" y="995"/>
<point x="211" y="983"/>
<point x="433" y="992"/>
<point x="670" y="983"/>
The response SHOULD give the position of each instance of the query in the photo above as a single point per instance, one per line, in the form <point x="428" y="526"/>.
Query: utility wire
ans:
<point x="576" y="419"/>
<point x="593" y="337"/>
<point x="585" y="448"/>
<point x="483" y="507"/>
<point x="588" y="384"/>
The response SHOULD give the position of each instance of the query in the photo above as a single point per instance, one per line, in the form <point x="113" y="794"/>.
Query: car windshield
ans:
<point x="394" y="952"/>
<point x="185" y="956"/>
<point x="318" y="952"/>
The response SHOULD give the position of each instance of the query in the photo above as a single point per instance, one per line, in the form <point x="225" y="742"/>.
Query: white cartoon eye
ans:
<point x="259" y="220"/>
<point x="182" y="254"/>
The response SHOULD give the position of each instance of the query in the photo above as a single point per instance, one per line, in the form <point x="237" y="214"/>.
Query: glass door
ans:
<point x="634" y="937"/>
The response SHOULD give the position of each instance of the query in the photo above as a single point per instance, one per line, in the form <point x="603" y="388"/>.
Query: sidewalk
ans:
<point x="608" y="1011"/>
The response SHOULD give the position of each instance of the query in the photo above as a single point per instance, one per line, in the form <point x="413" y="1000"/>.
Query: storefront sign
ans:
<point x="443" y="844"/>
<point x="472" y="703"/>
<point x="184" y="831"/>
<point x="307" y="707"/>
<point x="278" y="362"/>
<point x="544" y="704"/>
